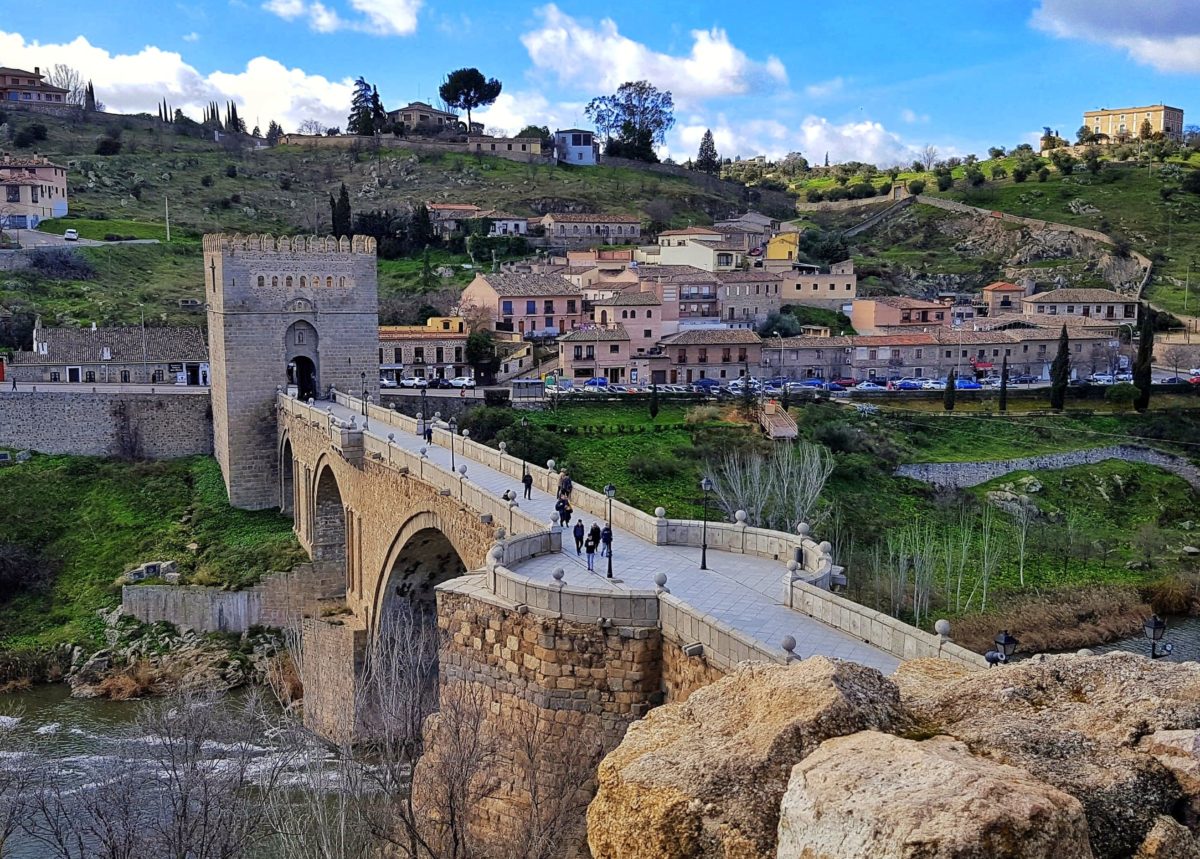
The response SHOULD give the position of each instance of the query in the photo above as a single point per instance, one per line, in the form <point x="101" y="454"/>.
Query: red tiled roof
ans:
<point x="1002" y="286"/>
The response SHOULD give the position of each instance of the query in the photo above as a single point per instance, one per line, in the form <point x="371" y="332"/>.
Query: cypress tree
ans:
<point x="653" y="401"/>
<point x="948" y="396"/>
<point x="1143" y="364"/>
<point x="89" y="98"/>
<point x="1060" y="372"/>
<point x="1004" y="385"/>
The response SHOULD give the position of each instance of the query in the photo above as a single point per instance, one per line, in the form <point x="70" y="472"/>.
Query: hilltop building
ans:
<point x="1120" y="123"/>
<point x="576" y="146"/>
<point x="35" y="188"/>
<point x="29" y="87"/>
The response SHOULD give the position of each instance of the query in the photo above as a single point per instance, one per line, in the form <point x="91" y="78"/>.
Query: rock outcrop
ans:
<point x="1063" y="756"/>
<point x="704" y="778"/>
<point x="842" y="803"/>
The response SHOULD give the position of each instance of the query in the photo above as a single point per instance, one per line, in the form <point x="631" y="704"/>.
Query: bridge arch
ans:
<point x="287" y="476"/>
<point x="421" y="556"/>
<point x="329" y="517"/>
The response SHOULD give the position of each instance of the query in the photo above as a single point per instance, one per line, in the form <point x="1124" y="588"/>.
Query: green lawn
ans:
<point x="92" y="519"/>
<point x="99" y="230"/>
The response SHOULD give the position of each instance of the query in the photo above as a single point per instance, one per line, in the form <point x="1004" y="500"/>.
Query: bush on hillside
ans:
<point x="945" y="181"/>
<point x="654" y="467"/>
<point x="108" y="146"/>
<point x="916" y="186"/>
<point x="24" y="571"/>
<point x="58" y="264"/>
<point x="38" y="131"/>
<point x="486" y="423"/>
<point x="814" y="195"/>
<point x="1191" y="182"/>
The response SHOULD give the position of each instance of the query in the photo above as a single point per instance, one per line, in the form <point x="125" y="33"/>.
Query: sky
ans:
<point x="867" y="81"/>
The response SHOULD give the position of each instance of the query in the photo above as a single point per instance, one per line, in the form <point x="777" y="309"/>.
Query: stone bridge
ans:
<point x="567" y="654"/>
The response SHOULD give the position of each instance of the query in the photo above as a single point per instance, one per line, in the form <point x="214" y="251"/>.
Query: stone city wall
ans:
<point x="331" y="657"/>
<point x="153" y="426"/>
<point x="960" y="475"/>
<point x="280" y="600"/>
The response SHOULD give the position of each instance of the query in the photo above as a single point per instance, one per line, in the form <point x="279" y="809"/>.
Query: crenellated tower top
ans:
<point x="267" y="243"/>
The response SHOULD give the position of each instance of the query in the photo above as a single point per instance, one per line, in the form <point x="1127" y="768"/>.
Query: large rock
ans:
<point x="842" y="803"/>
<point x="1073" y="722"/>
<point x="1179" y="751"/>
<point x="704" y="778"/>
<point x="1168" y="840"/>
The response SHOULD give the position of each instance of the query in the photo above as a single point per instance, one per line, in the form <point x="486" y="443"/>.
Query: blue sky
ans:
<point x="859" y="80"/>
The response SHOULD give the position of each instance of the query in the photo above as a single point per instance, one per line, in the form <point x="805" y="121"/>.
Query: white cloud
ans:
<point x="601" y="59"/>
<point x="131" y="83"/>
<point x="192" y="37"/>
<point x="825" y="89"/>
<point x="865" y="141"/>
<point x="379" y="17"/>
<point x="515" y="110"/>
<point x="1164" y="34"/>
<point x="911" y="116"/>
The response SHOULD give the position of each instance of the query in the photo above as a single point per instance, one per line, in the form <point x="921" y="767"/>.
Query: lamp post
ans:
<point x="1154" y="629"/>
<point x="610" y="491"/>
<point x="364" y="397"/>
<point x="453" y="430"/>
<point x="524" y="444"/>
<point x="1006" y="645"/>
<point x="424" y="409"/>
<point x="707" y="486"/>
<point x="462" y="471"/>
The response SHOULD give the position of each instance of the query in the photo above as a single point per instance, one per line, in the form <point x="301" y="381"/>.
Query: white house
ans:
<point x="505" y="224"/>
<point x="575" y="146"/>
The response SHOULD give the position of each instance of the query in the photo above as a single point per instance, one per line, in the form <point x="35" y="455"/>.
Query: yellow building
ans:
<point x="1126" y="122"/>
<point x="784" y="246"/>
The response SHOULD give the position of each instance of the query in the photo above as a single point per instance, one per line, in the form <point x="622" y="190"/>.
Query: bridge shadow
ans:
<point x="420" y="558"/>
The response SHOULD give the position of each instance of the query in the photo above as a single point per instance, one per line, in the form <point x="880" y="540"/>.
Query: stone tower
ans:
<point x="290" y="311"/>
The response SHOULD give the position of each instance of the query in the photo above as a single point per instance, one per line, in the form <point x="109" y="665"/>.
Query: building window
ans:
<point x="646" y="333"/>
<point x="397" y="356"/>
<point x="54" y="376"/>
<point x="570" y="305"/>
<point x="578" y="352"/>
<point x="157" y="377"/>
<point x="288" y="281"/>
<point x="506" y="308"/>
<point x="548" y="306"/>
<point x="299" y="336"/>
<point x="530" y="307"/>
<point x="329" y="283"/>
<point x="125" y="377"/>
<point x="916" y="354"/>
<point x="303" y="282"/>
<point x="614" y="348"/>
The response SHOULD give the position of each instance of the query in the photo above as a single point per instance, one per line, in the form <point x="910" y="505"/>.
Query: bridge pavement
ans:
<point x="742" y="591"/>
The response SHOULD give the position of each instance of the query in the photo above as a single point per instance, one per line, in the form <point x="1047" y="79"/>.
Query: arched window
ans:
<point x="575" y="229"/>
<point x="341" y="281"/>
<point x="329" y="283"/>
<point x="262" y="281"/>
<point x="316" y="281"/>
<point x="619" y="229"/>
<point x="649" y="314"/>
<point x="288" y="281"/>
<point x="302" y="282"/>
<point x="274" y="281"/>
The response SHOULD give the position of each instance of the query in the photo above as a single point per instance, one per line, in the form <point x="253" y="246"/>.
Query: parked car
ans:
<point x="413" y="382"/>
<point x="967" y="385"/>
<point x="1026" y="379"/>
<point x="71" y="235"/>
<point x="1102" y="378"/>
<point x="908" y="385"/>
<point x="1194" y="372"/>
<point x="706" y="383"/>
<point x="440" y="383"/>
<point x="1175" y="380"/>
<point x="846" y="382"/>
<point x="385" y="382"/>
<point x="1195" y="380"/>
<point x="1079" y="383"/>
<point x="835" y="387"/>
<point x="462" y="382"/>
<point x="869" y="386"/>
<point x="1124" y="377"/>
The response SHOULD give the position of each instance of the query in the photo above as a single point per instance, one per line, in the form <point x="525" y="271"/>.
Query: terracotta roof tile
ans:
<point x="713" y="336"/>
<point x="595" y="335"/>
<point x="521" y="284"/>
<point x="124" y="344"/>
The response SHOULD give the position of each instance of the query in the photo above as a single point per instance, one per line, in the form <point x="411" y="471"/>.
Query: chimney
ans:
<point x="93" y="327"/>
<point x="37" y="72"/>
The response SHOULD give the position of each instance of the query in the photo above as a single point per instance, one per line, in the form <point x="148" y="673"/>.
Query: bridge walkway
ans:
<point x="742" y="591"/>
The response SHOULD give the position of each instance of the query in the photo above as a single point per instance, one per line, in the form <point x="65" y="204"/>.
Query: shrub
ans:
<point x="837" y="193"/>
<point x="814" y="195"/>
<point x="23" y="571"/>
<point x="23" y="139"/>
<point x="1121" y="395"/>
<point x="862" y="190"/>
<point x="532" y="443"/>
<point x="58" y="264"/>
<point x="231" y="171"/>
<point x="285" y="183"/>
<point x="654" y="467"/>
<point x="1020" y="173"/>
<point x="702" y="415"/>
<point x="206" y="181"/>
<point x="108" y="146"/>
<point x="1043" y="174"/>
<point x="1172" y="595"/>
<point x="839" y="437"/>
<point x="916" y="186"/>
<point x="38" y="131"/>
<point x="945" y="181"/>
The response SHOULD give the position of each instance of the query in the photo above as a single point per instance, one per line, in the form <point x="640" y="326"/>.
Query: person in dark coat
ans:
<point x="565" y="485"/>
<point x="589" y="548"/>
<point x="527" y="480"/>
<point x="429" y="435"/>
<point x="606" y="541"/>
<point x="579" y="533"/>
<point x="560" y="507"/>
<point x="594" y="534"/>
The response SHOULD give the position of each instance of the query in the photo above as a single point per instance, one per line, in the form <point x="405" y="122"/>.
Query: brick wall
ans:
<point x="165" y="426"/>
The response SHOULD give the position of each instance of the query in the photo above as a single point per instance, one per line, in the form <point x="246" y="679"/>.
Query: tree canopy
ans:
<point x="637" y="116"/>
<point x="707" y="160"/>
<point x="542" y="131"/>
<point x="467" y="89"/>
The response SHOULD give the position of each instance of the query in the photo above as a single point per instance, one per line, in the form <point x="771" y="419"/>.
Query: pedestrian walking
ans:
<point x="579" y="533"/>
<point x="429" y="435"/>
<point x="589" y="549"/>
<point x="560" y="507"/>
<point x="565" y="485"/>
<point x="594" y="534"/>
<point x="527" y="481"/>
<point x="14" y="383"/>
<point x="606" y="541"/>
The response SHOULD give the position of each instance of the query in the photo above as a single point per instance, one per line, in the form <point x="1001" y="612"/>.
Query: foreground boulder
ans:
<point x="1073" y="722"/>
<point x="845" y="801"/>
<point x="704" y="778"/>
<point x="1168" y="840"/>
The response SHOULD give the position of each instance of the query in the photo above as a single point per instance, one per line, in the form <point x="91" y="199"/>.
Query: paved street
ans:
<point x="741" y="590"/>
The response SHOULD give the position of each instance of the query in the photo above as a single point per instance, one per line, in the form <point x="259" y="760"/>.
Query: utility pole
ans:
<point x="167" y="209"/>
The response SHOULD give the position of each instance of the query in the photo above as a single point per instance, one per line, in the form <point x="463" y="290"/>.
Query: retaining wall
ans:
<point x="960" y="475"/>
<point x="76" y="421"/>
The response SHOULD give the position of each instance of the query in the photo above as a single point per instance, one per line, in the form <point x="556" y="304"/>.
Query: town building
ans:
<point x="723" y="354"/>
<point x="504" y="223"/>
<point x="893" y="312"/>
<point x="30" y="88"/>
<point x="698" y="247"/>
<point x="596" y="352"/>
<point x="999" y="298"/>
<point x="807" y="285"/>
<point x="746" y="298"/>
<point x="420" y="116"/>
<point x="528" y="304"/>
<point x="533" y="150"/>
<point x="1099" y="304"/>
<point x="1125" y="123"/>
<point x="35" y="188"/>
<point x="639" y="313"/>
<point x="575" y="228"/>
<point x="688" y="294"/>
<point x="119" y="355"/>
<point x="576" y="146"/>
<point x="435" y="350"/>
<point x="451" y="218"/>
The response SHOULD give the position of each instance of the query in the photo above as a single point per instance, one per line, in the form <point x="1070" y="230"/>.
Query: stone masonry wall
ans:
<point x="564" y="691"/>
<point x="960" y="475"/>
<point x="279" y="600"/>
<point x="158" y="426"/>
<point x="682" y="674"/>
<point x="332" y="658"/>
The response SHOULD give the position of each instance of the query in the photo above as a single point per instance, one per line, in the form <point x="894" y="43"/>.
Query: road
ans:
<point x="30" y="239"/>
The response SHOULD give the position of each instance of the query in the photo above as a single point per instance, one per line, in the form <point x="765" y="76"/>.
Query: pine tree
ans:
<point x="707" y="161"/>
<point x="257" y="132"/>
<point x="359" y="120"/>
<point x="948" y="396"/>
<point x="274" y="133"/>
<point x="1004" y="385"/>
<point x="378" y="115"/>
<point x="89" y="98"/>
<point x="340" y="212"/>
<point x="421" y="229"/>
<point x="1060" y="372"/>
<point x="1143" y="364"/>
<point x="428" y="280"/>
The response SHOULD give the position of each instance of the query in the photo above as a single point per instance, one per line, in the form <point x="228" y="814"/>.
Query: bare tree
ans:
<point x="311" y="126"/>
<point x="63" y="76"/>
<point x="741" y="481"/>
<point x="1180" y="355"/>
<point x="1026" y="513"/>
<point x="928" y="156"/>
<point x="15" y="778"/>
<point x="777" y="491"/>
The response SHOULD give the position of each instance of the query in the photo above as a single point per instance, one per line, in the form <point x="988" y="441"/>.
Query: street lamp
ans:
<point x="524" y="444"/>
<point x="453" y="430"/>
<point x="364" y="396"/>
<point x="1006" y="645"/>
<point x="462" y="470"/>
<point x="610" y="491"/>
<point x="1154" y="629"/>
<point x="707" y="486"/>
<point x="424" y="408"/>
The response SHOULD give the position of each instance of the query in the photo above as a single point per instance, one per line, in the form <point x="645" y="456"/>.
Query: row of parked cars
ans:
<point x="416" y="382"/>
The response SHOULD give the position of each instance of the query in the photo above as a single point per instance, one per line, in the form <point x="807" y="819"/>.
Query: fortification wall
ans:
<point x="77" y="421"/>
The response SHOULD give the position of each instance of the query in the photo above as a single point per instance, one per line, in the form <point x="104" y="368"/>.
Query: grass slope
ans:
<point x="97" y="518"/>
